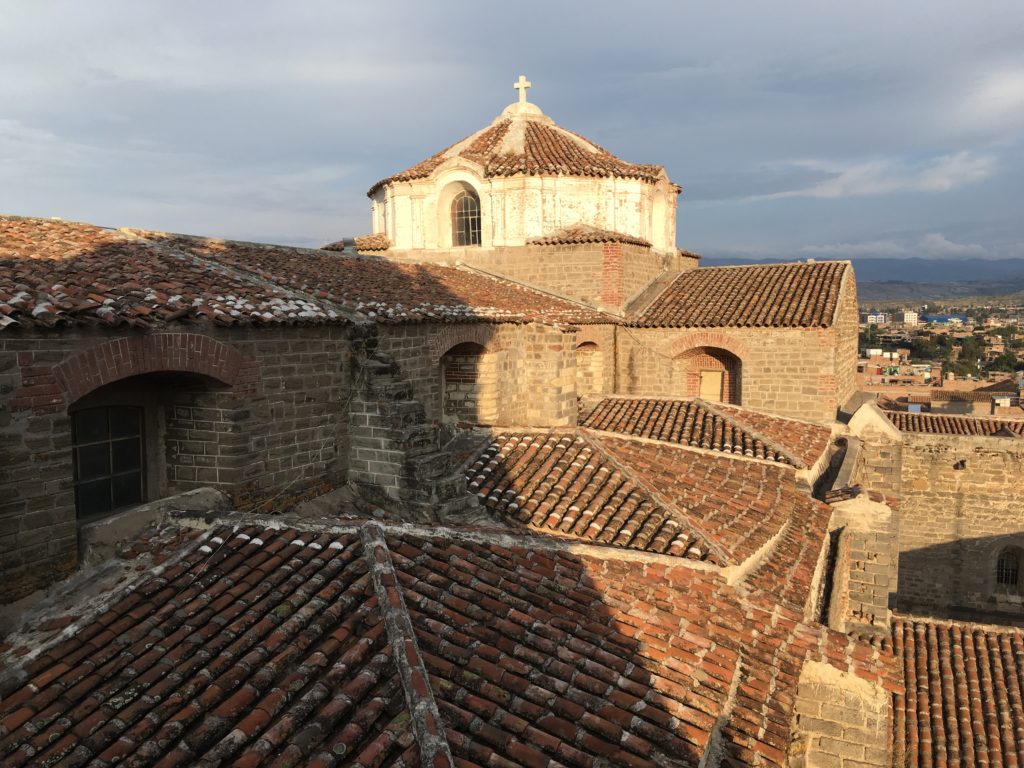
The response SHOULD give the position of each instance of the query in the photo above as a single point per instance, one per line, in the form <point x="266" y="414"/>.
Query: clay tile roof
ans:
<point x="564" y="485"/>
<point x="386" y="647"/>
<point x="58" y="273"/>
<point x="337" y="245"/>
<point x="584" y="233"/>
<point x="712" y="426"/>
<point x="386" y="291"/>
<point x="259" y="645"/>
<point x="532" y="146"/>
<point x="801" y="295"/>
<point x="962" y="706"/>
<point x="939" y="424"/>
<point x="738" y="505"/>
<point x="375" y="242"/>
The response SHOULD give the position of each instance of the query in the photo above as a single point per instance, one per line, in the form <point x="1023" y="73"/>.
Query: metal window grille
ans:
<point x="466" y="219"/>
<point x="107" y="447"/>
<point x="1008" y="568"/>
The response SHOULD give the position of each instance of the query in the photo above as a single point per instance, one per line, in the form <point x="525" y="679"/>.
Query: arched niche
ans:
<point x="469" y="384"/>
<point x="710" y="373"/>
<point x="589" y="369"/>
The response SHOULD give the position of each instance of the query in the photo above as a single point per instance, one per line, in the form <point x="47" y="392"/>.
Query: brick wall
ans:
<point x="791" y="372"/>
<point x="470" y="386"/>
<point x="257" y="414"/>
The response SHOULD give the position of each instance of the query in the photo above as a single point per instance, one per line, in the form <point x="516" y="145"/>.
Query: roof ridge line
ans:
<point x="775" y="445"/>
<point x="425" y="717"/>
<point x="657" y="498"/>
<point x="245" y="275"/>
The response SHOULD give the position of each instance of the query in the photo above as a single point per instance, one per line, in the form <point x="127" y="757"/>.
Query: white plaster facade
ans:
<point x="416" y="214"/>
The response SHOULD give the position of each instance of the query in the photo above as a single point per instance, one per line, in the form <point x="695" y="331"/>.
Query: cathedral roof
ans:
<point x="58" y="273"/>
<point x="800" y="295"/>
<point x="522" y="140"/>
<point x="260" y="644"/>
<point x="941" y="424"/>
<point x="55" y="273"/>
<point x="716" y="427"/>
<point x="962" y="705"/>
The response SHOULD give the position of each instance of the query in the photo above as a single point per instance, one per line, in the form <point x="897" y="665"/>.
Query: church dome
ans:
<point x="523" y="140"/>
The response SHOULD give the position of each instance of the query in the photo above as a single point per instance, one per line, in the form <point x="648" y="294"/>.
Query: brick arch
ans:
<point x="453" y="335"/>
<point x="116" y="359"/>
<point x="691" y="339"/>
<point x="691" y="365"/>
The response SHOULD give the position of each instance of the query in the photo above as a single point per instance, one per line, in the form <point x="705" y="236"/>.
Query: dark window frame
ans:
<point x="1008" y="568"/>
<point x="105" y="452"/>
<point x="466" y="228"/>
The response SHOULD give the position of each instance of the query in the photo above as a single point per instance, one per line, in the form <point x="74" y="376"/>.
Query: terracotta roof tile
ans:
<point x="713" y="426"/>
<point x="533" y="147"/>
<point x="801" y="295"/>
<point x="739" y="505"/>
<point x="584" y="233"/>
<point x="263" y="645"/>
<point x="374" y="242"/>
<point x="963" y="700"/>
<point x="389" y="292"/>
<point x="60" y="273"/>
<point x="802" y="439"/>
<point x="564" y="485"/>
<point x="939" y="424"/>
<point x="267" y="646"/>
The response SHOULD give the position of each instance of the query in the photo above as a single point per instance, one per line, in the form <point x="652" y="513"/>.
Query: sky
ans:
<point x="796" y="129"/>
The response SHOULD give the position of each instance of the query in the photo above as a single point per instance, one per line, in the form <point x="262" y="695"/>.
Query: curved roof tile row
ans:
<point x="801" y="295"/>
<point x="940" y="424"/>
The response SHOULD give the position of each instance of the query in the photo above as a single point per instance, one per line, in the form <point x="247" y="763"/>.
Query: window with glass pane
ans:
<point x="466" y="219"/>
<point x="107" y="452"/>
<point x="1008" y="568"/>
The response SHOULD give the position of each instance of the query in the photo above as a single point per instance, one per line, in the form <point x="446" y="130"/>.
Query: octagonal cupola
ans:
<point x="521" y="178"/>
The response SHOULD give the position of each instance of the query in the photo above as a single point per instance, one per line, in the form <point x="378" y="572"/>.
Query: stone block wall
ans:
<point x="961" y="504"/>
<point x="256" y="413"/>
<point x="791" y="372"/>
<point x="845" y="338"/>
<point x="841" y="721"/>
<point x="534" y="365"/>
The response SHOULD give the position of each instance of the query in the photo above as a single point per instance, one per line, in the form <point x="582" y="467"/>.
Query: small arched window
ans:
<point x="466" y="219"/>
<point x="1008" y="568"/>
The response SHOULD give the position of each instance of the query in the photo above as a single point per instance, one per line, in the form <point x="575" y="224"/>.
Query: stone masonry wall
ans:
<point x="845" y="332"/>
<point x="535" y="367"/>
<point x="267" y="427"/>
<point x="790" y="372"/>
<point x="604" y="274"/>
<point x="841" y="721"/>
<point x="961" y="504"/>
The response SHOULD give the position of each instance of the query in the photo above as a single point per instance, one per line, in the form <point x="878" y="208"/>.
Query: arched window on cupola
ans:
<point x="466" y="218"/>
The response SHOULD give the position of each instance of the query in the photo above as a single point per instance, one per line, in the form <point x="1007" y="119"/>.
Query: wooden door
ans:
<point x="711" y="385"/>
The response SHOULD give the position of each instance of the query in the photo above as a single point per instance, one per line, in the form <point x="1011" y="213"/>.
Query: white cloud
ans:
<point x="881" y="177"/>
<point x="933" y="245"/>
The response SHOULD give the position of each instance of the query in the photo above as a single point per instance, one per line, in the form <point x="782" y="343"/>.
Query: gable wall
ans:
<point x="790" y="372"/>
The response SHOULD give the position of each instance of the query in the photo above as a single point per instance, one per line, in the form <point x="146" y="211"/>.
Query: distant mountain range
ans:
<point x="883" y="279"/>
